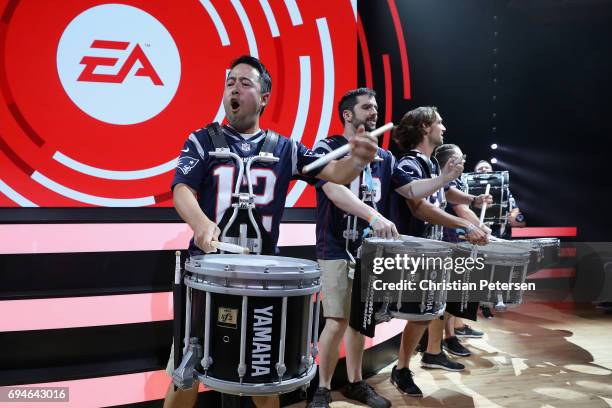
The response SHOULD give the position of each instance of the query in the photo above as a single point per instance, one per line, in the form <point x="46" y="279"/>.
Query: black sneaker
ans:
<point x="486" y="312"/>
<point x="467" y="331"/>
<point x="363" y="392"/>
<point x="402" y="379"/>
<point x="321" y="398"/>
<point x="440" y="361"/>
<point x="453" y="346"/>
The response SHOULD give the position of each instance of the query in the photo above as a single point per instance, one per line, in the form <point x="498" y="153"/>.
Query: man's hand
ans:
<point x="476" y="235"/>
<point x="483" y="199"/>
<point x="205" y="234"/>
<point x="384" y="228"/>
<point x="363" y="147"/>
<point x="452" y="169"/>
<point x="486" y="229"/>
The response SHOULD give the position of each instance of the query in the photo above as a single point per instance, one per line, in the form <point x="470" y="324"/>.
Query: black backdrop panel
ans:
<point x="531" y="76"/>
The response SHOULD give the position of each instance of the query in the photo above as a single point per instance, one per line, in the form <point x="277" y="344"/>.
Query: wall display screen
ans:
<point x="98" y="98"/>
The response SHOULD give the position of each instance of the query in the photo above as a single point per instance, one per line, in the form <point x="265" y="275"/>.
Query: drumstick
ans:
<point x="341" y="151"/>
<point x="484" y="206"/>
<point x="227" y="247"/>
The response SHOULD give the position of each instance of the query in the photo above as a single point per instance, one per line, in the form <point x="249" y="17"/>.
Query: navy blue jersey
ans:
<point x="416" y="166"/>
<point x="215" y="179"/>
<point x="450" y="234"/>
<point x="332" y="221"/>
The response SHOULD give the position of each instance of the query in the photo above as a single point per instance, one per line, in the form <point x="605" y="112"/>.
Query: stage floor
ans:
<point x="538" y="355"/>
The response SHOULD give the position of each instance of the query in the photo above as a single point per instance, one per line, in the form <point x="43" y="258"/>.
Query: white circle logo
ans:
<point x="118" y="64"/>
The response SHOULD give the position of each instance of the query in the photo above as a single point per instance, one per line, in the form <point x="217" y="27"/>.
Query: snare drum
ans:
<point x="550" y="251"/>
<point x="238" y="311"/>
<point x="475" y="184"/>
<point x="420" y="303"/>
<point x="535" y="253"/>
<point x="503" y="263"/>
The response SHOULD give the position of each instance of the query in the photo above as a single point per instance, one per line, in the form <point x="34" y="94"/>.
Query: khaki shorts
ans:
<point x="336" y="288"/>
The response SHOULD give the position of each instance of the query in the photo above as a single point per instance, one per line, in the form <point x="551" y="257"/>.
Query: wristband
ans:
<point x="372" y="219"/>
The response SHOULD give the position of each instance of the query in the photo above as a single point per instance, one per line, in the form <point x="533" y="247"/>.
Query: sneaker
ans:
<point x="467" y="331"/>
<point x="486" y="312"/>
<point x="363" y="392"/>
<point x="402" y="379"/>
<point x="453" y="346"/>
<point x="440" y="361"/>
<point x="321" y="398"/>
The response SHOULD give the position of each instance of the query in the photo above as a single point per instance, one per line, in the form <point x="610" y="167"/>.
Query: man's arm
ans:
<point x="363" y="151"/>
<point x="464" y="211"/>
<point x="456" y="196"/>
<point x="345" y="200"/>
<point x="413" y="187"/>
<point x="426" y="211"/>
<point x="205" y="231"/>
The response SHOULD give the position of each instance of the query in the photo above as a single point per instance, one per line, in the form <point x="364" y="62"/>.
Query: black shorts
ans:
<point x="469" y="312"/>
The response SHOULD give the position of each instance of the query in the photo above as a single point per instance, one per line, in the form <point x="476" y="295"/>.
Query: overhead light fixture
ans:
<point x="494" y="146"/>
<point x="493" y="160"/>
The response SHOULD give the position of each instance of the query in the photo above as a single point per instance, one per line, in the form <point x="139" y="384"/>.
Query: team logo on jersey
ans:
<point x="118" y="64"/>
<point x="246" y="147"/>
<point x="186" y="163"/>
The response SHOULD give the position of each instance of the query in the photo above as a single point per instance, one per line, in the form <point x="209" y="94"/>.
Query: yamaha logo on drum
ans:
<point x="262" y="341"/>
<point x="227" y="318"/>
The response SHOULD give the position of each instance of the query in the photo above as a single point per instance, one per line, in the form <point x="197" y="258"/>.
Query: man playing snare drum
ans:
<point x="203" y="185"/>
<point x="420" y="131"/>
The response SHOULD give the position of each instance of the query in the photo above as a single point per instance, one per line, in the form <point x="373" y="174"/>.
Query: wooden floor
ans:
<point x="538" y="355"/>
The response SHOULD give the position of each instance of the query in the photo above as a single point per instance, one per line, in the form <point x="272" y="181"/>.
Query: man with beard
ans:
<point x="203" y="184"/>
<point x="420" y="131"/>
<point x="337" y="241"/>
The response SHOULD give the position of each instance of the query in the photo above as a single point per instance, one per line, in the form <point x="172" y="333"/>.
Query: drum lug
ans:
<point x="304" y="391"/>
<point x="206" y="363"/>
<point x="307" y="361"/>
<point x="280" y="370"/>
<point x="241" y="371"/>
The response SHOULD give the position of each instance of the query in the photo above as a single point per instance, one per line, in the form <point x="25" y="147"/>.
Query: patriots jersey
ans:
<point x="332" y="221"/>
<point x="450" y="234"/>
<point x="215" y="179"/>
<point x="412" y="168"/>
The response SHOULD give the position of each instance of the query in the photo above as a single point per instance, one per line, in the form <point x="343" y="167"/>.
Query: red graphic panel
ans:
<point x="97" y="98"/>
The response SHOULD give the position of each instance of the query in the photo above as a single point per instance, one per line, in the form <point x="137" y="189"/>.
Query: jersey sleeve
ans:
<point x="405" y="172"/>
<point x="456" y="183"/>
<point x="321" y="148"/>
<point x="301" y="156"/>
<point x="191" y="163"/>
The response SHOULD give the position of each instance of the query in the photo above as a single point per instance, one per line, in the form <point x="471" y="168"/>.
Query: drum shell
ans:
<point x="225" y="337"/>
<point x="475" y="184"/>
<point x="509" y="269"/>
<point x="535" y="253"/>
<point x="431" y="302"/>
<point x="550" y="252"/>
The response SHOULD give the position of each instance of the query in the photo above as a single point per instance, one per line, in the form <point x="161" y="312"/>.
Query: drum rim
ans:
<point x="493" y="255"/>
<point x="237" y="388"/>
<point x="548" y="242"/>
<point x="255" y="292"/>
<point x="305" y="270"/>
<point x="439" y="246"/>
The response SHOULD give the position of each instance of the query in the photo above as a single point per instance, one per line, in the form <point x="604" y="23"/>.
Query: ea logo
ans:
<point x="118" y="64"/>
